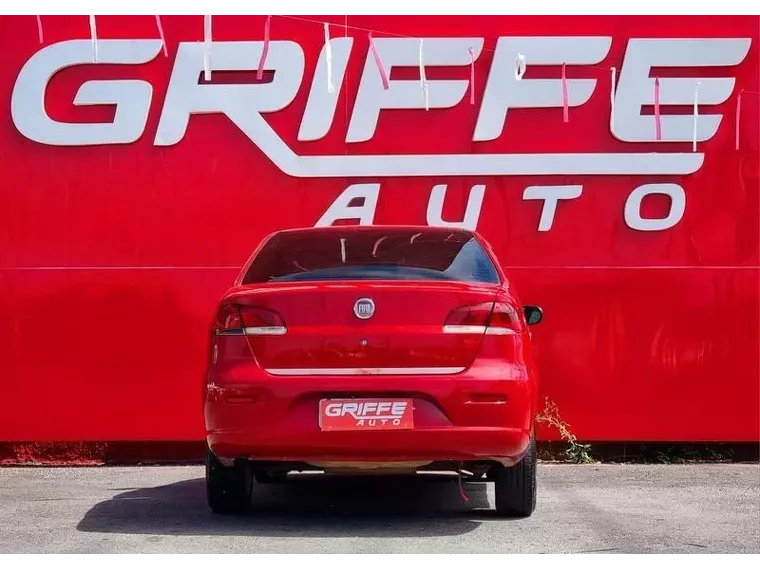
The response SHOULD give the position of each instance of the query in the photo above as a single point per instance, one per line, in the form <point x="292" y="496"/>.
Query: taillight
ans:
<point x="235" y="320"/>
<point x="486" y="318"/>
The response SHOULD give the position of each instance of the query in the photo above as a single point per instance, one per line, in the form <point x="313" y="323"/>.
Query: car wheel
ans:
<point x="229" y="489"/>
<point x="515" y="486"/>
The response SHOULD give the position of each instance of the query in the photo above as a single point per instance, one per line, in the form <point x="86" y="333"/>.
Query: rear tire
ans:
<point x="229" y="489"/>
<point x="515" y="486"/>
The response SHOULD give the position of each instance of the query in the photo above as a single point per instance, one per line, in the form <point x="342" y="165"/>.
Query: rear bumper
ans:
<point x="423" y="445"/>
<point x="484" y="413"/>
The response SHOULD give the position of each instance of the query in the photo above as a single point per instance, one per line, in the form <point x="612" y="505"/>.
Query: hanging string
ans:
<point x="696" y="117"/>
<point x="738" y="119"/>
<point x="519" y="72"/>
<point x="423" y="80"/>
<point x="94" y="36"/>
<point x="613" y="80"/>
<point x="328" y="59"/>
<point x="462" y="493"/>
<point x="264" y="51"/>
<point x="39" y="28"/>
<point x="161" y="35"/>
<point x="471" y="51"/>
<point x="207" y="48"/>
<point x="378" y="62"/>
<point x="395" y="35"/>
<point x="657" y="117"/>
<point x="520" y="67"/>
<point x="565" y="97"/>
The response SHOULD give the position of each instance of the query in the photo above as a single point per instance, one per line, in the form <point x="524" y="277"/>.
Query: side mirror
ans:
<point x="533" y="314"/>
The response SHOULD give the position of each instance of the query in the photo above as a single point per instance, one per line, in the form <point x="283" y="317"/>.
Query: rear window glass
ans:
<point x="441" y="255"/>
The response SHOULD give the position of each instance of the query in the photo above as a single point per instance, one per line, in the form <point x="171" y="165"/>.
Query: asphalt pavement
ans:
<point x="595" y="508"/>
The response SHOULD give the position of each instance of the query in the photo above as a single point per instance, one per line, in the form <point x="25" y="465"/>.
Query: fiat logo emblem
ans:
<point x="364" y="308"/>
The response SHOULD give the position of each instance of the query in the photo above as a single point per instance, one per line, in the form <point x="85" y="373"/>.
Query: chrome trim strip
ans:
<point x="265" y="330"/>
<point x="490" y="330"/>
<point x="457" y="329"/>
<point x="367" y="371"/>
<point x="495" y="331"/>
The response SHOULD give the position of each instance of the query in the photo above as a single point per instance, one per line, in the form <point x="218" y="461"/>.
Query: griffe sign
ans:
<point x="245" y="105"/>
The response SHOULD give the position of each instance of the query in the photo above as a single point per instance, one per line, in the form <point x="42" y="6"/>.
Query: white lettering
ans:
<point x="242" y="104"/>
<point x="504" y="90"/>
<point x="334" y="410"/>
<point x="407" y="94"/>
<point x="633" y="207"/>
<point x="360" y="411"/>
<point x="471" y="214"/>
<point x="130" y="97"/>
<point x="345" y="208"/>
<point x="551" y="196"/>
<point x="342" y="207"/>
<point x="636" y="86"/>
<point x="320" y="106"/>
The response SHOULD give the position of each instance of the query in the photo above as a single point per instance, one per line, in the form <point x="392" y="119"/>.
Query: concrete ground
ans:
<point x="602" y="508"/>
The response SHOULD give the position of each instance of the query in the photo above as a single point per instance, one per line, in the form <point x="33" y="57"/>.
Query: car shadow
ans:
<point x="303" y="506"/>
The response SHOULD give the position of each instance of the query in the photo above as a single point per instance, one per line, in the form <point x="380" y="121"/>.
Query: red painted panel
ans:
<point x="112" y="256"/>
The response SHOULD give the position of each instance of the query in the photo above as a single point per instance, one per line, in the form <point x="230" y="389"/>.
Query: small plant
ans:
<point x="575" y="452"/>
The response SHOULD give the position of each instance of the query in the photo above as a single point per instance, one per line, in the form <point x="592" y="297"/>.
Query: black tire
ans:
<point x="229" y="489"/>
<point x="515" y="486"/>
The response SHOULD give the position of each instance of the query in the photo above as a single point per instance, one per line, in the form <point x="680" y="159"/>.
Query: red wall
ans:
<point x="112" y="256"/>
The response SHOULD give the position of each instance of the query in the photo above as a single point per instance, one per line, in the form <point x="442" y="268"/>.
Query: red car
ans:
<point x="356" y="348"/>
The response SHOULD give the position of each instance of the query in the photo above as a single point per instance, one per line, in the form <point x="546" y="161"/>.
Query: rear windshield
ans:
<point x="440" y="255"/>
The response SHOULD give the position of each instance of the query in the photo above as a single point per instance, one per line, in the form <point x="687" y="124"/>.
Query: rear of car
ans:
<point x="370" y="348"/>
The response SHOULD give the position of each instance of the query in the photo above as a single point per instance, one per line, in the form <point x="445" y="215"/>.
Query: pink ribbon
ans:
<point x="471" y="51"/>
<point x="264" y="52"/>
<point x="738" y="117"/>
<point x="161" y="35"/>
<point x="381" y="70"/>
<point x="657" y="120"/>
<point x="39" y="27"/>
<point x="565" y="103"/>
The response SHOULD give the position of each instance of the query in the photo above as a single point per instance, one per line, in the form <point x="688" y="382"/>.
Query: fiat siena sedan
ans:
<point x="382" y="349"/>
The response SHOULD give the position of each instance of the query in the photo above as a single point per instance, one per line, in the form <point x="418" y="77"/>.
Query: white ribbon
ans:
<point x="328" y="58"/>
<point x="612" y="99"/>
<point x="520" y="66"/>
<point x="207" y="48"/>
<point x="94" y="36"/>
<point x="696" y="116"/>
<point x="423" y="80"/>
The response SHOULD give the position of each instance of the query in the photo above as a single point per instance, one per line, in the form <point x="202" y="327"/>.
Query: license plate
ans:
<point x="366" y="414"/>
